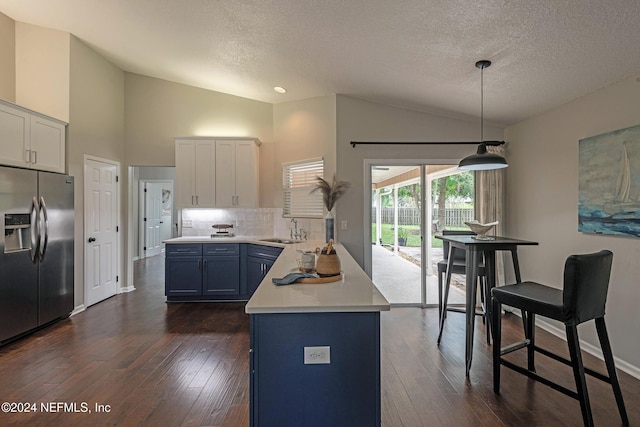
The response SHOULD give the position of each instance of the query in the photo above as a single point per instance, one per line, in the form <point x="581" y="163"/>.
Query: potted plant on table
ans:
<point x="330" y="195"/>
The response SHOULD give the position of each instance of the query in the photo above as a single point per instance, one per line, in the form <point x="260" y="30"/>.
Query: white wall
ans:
<point x="7" y="58"/>
<point x="42" y="70"/>
<point x="158" y="110"/>
<point x="359" y="120"/>
<point x="542" y="199"/>
<point x="96" y="127"/>
<point x="302" y="130"/>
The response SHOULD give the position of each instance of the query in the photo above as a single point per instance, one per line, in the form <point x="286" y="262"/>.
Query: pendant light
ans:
<point x="482" y="160"/>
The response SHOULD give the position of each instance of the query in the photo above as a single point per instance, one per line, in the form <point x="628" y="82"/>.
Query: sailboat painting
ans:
<point x="609" y="183"/>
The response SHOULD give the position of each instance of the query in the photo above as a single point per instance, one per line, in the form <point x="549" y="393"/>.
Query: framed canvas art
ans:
<point x="609" y="183"/>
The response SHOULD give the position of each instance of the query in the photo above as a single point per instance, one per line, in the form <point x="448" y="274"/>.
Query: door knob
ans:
<point x="92" y="239"/>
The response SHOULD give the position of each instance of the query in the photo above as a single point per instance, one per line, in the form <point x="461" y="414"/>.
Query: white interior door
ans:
<point x="166" y="222"/>
<point x="153" y="218"/>
<point x="101" y="239"/>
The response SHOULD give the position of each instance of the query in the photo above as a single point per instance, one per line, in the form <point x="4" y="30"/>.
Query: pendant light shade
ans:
<point x="483" y="160"/>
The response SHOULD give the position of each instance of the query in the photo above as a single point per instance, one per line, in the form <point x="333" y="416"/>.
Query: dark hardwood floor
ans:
<point x="161" y="364"/>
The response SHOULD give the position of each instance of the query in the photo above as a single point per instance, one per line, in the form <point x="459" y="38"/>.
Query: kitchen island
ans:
<point x="315" y="348"/>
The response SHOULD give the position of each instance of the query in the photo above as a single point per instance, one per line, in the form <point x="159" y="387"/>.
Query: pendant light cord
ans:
<point x="482" y="104"/>
<point x="482" y="64"/>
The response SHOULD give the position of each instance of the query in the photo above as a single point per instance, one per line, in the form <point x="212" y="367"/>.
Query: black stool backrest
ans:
<point x="458" y="255"/>
<point x="586" y="281"/>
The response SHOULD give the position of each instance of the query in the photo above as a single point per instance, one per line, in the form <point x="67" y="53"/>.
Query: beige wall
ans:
<point x="359" y="120"/>
<point x="7" y="58"/>
<point x="96" y="127"/>
<point x="302" y="130"/>
<point x="158" y="110"/>
<point x="542" y="197"/>
<point x="42" y="70"/>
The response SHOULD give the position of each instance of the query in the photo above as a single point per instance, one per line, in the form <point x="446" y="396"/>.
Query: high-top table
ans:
<point x="475" y="249"/>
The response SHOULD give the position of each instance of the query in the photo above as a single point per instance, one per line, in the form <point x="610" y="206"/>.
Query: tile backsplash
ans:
<point x="247" y="222"/>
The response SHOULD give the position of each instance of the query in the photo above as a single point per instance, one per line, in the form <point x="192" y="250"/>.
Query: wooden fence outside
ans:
<point x="411" y="216"/>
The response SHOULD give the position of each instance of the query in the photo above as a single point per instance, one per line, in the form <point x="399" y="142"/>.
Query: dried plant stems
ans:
<point x="330" y="192"/>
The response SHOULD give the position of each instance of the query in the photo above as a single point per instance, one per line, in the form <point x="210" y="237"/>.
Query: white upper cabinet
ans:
<point x="195" y="173"/>
<point x="216" y="173"/>
<point x="30" y="140"/>
<point x="246" y="175"/>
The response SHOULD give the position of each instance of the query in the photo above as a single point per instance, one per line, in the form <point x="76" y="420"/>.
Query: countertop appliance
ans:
<point x="36" y="249"/>
<point x="222" y="230"/>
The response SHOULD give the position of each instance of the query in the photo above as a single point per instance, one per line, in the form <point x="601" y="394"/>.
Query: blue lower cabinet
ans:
<point x="221" y="275"/>
<point x="216" y="271"/>
<point x="257" y="268"/>
<point x="260" y="259"/>
<point x="183" y="270"/>
<point x="183" y="276"/>
<point x="286" y="391"/>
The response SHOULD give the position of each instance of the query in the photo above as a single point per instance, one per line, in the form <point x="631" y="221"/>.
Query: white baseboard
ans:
<point x="623" y="365"/>
<point x="126" y="289"/>
<point x="78" y="309"/>
<point x="135" y="258"/>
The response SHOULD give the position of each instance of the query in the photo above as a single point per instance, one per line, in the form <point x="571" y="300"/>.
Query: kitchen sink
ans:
<point x="279" y="240"/>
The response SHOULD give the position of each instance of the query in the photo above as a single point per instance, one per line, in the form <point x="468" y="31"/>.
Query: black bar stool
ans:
<point x="586" y="281"/>
<point x="458" y="267"/>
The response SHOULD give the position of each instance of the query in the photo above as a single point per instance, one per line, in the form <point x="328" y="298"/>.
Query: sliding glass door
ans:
<point x="409" y="205"/>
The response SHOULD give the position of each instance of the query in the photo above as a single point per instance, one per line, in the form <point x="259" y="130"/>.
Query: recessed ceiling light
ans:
<point x="279" y="89"/>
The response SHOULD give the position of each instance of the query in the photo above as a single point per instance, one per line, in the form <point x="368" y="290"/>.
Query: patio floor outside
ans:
<point x="399" y="279"/>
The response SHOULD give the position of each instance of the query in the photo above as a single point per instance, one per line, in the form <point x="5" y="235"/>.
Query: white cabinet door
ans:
<point x="216" y="173"/>
<point x="14" y="136"/>
<point x="47" y="144"/>
<point x="205" y="174"/>
<point x="246" y="174"/>
<point x="225" y="174"/>
<point x="31" y="140"/>
<point x="185" y="174"/>
<point x="195" y="173"/>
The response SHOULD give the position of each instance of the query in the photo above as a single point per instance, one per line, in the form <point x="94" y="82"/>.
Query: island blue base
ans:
<point x="286" y="392"/>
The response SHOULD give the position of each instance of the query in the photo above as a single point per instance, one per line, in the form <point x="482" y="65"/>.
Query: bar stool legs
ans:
<point x="603" y="336"/>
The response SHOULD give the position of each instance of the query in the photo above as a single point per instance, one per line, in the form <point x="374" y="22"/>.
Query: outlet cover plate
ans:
<point x="317" y="355"/>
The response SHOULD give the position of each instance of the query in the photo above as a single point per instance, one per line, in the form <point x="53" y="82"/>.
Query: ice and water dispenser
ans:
<point x="17" y="232"/>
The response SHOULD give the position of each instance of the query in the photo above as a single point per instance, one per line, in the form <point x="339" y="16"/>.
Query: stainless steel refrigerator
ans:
<point x="36" y="251"/>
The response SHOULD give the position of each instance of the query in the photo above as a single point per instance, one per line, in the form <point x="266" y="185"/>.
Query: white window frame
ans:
<point x="298" y="179"/>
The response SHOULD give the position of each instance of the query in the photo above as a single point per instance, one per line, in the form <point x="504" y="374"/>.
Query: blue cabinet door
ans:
<point x="255" y="273"/>
<point x="183" y="276"/>
<point x="260" y="259"/>
<point x="221" y="275"/>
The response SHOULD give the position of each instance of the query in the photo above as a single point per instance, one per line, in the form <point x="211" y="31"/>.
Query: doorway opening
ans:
<point x="156" y="216"/>
<point x="410" y="204"/>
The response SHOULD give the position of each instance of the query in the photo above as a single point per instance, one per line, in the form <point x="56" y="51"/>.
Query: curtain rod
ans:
<point x="490" y="143"/>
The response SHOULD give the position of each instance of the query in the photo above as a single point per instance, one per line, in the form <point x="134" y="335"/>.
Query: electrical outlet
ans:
<point x="187" y="223"/>
<point x="317" y="355"/>
<point x="343" y="224"/>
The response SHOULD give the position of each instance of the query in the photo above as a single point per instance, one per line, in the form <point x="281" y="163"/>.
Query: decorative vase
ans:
<point x="328" y="226"/>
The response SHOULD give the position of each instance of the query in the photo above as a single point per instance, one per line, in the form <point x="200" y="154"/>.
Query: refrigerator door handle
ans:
<point x="35" y="229"/>
<point x="44" y="228"/>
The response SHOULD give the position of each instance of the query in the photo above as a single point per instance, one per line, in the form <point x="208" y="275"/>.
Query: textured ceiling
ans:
<point x="417" y="54"/>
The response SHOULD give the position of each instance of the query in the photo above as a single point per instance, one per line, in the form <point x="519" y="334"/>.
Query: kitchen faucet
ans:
<point x="295" y="233"/>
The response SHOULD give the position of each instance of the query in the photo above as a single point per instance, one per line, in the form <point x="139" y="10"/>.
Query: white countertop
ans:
<point x="354" y="293"/>
<point x="236" y="239"/>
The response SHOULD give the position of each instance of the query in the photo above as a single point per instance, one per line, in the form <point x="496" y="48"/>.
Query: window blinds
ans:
<point x="298" y="179"/>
